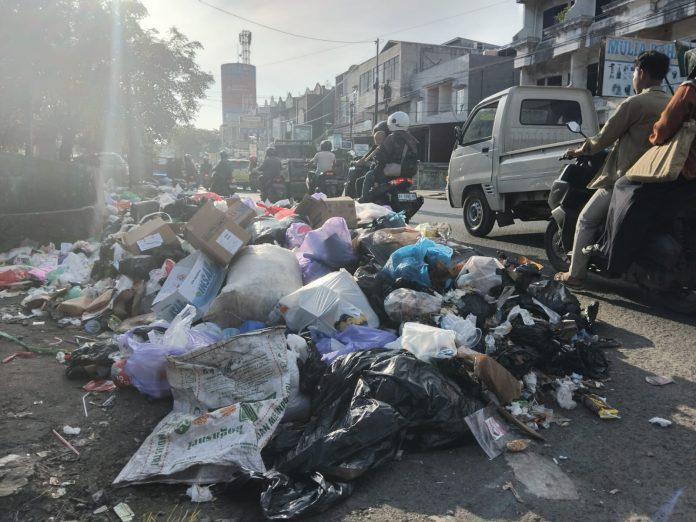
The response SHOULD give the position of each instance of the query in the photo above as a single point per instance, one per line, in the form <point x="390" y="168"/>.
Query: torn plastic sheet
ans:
<point x="245" y="382"/>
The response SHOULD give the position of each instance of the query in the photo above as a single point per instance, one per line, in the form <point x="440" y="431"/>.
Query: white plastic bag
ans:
<point x="178" y="333"/>
<point x="467" y="334"/>
<point x="325" y="303"/>
<point x="257" y="279"/>
<point x="404" y="304"/>
<point x="427" y="342"/>
<point x="480" y="273"/>
<point x="370" y="211"/>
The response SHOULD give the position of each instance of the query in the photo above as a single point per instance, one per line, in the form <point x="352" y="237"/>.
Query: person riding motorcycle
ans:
<point x="222" y="176"/>
<point x="324" y="161"/>
<point x="360" y="167"/>
<point x="270" y="170"/>
<point x="398" y="152"/>
<point x="628" y="129"/>
<point x="638" y="210"/>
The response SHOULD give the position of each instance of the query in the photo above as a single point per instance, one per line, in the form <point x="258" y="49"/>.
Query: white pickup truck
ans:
<point x="507" y="156"/>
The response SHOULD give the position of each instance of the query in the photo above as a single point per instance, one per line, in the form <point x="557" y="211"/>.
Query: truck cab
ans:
<point x="506" y="156"/>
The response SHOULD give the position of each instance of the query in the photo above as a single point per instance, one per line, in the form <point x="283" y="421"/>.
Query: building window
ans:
<point x="549" y="112"/>
<point x="419" y="111"/>
<point x="366" y="81"/>
<point x="460" y="102"/>
<point x="556" y="80"/>
<point x="390" y="69"/>
<point x="593" y="78"/>
<point x="552" y="16"/>
<point x="599" y="8"/>
<point x="480" y="125"/>
<point x="433" y="100"/>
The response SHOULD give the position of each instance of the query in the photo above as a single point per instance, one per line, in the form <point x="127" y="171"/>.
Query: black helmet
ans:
<point x="325" y="145"/>
<point x="270" y="151"/>
<point x="382" y="126"/>
<point x="690" y="62"/>
<point x="224" y="154"/>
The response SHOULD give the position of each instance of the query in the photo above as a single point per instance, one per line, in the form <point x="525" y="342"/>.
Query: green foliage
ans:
<point x="87" y="72"/>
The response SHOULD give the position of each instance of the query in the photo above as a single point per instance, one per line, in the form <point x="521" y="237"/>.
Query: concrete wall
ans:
<point x="47" y="201"/>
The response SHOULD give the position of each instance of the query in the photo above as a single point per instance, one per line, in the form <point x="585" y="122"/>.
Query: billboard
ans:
<point x="238" y="82"/>
<point x="619" y="54"/>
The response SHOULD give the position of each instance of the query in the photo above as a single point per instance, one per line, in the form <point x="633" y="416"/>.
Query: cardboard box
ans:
<point x="241" y="213"/>
<point x="148" y="236"/>
<point x="216" y="234"/>
<point x="318" y="210"/>
<point x="342" y="207"/>
<point x="194" y="280"/>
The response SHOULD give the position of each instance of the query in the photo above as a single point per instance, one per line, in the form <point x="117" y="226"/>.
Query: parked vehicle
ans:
<point x="506" y="155"/>
<point x="665" y="268"/>
<point x="327" y="182"/>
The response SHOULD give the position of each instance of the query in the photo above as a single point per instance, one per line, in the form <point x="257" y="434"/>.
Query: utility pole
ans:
<point x="374" y="122"/>
<point x="351" y="109"/>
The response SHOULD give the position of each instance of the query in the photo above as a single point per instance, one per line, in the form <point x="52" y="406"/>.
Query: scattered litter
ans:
<point x="599" y="405"/>
<point x="200" y="493"/>
<point x="508" y="487"/>
<point x="58" y="493"/>
<point x="562" y="457"/>
<point x="614" y="491"/>
<point x="65" y="442"/>
<point x="99" y="386"/>
<point x="69" y="430"/>
<point x="15" y="471"/>
<point x="658" y="380"/>
<point x="100" y="510"/>
<point x="15" y="355"/>
<point x="36" y="403"/>
<point x="517" y="445"/>
<point x="659" y="421"/>
<point x="124" y="512"/>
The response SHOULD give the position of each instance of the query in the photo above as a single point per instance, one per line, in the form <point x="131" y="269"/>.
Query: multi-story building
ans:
<point x="315" y="109"/>
<point x="435" y="84"/>
<point x="583" y="42"/>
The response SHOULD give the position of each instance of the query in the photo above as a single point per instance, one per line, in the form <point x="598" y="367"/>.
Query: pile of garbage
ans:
<point x="304" y="345"/>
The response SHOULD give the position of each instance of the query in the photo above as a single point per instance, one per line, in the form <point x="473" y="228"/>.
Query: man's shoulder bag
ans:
<point x="663" y="163"/>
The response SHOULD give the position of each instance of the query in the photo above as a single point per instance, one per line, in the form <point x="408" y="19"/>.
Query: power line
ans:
<point x="296" y="35"/>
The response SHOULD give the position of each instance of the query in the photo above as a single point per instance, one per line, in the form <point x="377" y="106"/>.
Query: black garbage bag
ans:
<point x="556" y="296"/>
<point x="538" y="336"/>
<point x="380" y="244"/>
<point x="477" y="305"/>
<point x="518" y="360"/>
<point x="287" y="499"/>
<point x="138" y="268"/>
<point x="267" y="229"/>
<point x="367" y="405"/>
<point x="92" y="361"/>
<point x="375" y="287"/>
<point x="583" y="358"/>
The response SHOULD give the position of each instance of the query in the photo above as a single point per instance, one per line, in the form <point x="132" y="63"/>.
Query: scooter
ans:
<point x="397" y="194"/>
<point x="275" y="190"/>
<point x="665" y="269"/>
<point x="327" y="182"/>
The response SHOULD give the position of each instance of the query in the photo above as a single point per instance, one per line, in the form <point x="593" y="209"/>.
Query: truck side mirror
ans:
<point x="574" y="127"/>
<point x="457" y="136"/>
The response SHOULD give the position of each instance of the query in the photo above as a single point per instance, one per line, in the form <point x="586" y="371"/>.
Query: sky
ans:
<point x="290" y="64"/>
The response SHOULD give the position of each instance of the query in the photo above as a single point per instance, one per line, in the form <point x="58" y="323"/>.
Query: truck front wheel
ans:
<point x="478" y="216"/>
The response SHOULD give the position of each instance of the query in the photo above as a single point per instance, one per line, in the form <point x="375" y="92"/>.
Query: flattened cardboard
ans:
<point x="241" y="213"/>
<point x="319" y="210"/>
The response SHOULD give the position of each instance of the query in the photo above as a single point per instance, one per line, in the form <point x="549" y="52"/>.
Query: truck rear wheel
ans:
<point x="478" y="216"/>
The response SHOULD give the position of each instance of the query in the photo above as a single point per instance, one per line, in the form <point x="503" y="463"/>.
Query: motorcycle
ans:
<point x="665" y="268"/>
<point x="327" y="182"/>
<point x="397" y="194"/>
<point x="275" y="190"/>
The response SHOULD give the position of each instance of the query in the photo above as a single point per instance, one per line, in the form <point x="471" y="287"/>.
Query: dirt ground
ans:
<point x="615" y="470"/>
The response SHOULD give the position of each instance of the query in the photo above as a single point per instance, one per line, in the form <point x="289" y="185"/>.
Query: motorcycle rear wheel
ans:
<point x="558" y="257"/>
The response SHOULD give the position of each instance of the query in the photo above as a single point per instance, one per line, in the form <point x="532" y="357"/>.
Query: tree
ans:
<point x="190" y="140"/>
<point x="87" y="72"/>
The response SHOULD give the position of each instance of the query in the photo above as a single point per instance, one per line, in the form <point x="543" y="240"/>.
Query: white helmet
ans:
<point x="398" y="121"/>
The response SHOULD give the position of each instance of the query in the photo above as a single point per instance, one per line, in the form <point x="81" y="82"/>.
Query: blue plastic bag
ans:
<point x="411" y="262"/>
<point x="391" y="220"/>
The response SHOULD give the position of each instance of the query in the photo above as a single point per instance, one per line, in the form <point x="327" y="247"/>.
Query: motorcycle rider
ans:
<point x="628" y="129"/>
<point x="270" y="170"/>
<point x="190" y="169"/>
<point x="324" y="161"/>
<point x="222" y="175"/>
<point x="400" y="148"/>
<point x="637" y="210"/>
<point x="359" y="168"/>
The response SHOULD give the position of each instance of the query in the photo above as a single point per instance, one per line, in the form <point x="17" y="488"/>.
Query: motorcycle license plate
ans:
<point x="408" y="196"/>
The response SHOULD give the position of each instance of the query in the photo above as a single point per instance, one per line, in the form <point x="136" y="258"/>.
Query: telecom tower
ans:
<point x="245" y="46"/>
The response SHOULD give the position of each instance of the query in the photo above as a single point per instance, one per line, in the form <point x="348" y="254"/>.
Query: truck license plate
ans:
<point x="408" y="196"/>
